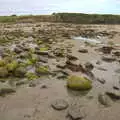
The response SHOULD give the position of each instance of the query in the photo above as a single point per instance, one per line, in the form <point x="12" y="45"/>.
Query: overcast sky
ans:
<point x="8" y="7"/>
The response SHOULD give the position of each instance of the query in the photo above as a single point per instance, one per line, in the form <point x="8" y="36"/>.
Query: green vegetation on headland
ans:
<point x="78" y="18"/>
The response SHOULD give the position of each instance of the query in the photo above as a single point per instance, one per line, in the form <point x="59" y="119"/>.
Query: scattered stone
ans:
<point x="116" y="53"/>
<point x="79" y="83"/>
<point x="44" y="86"/>
<point x="20" y="72"/>
<point x="108" y="58"/>
<point x="101" y="80"/>
<point x="76" y="112"/>
<point x="114" y="94"/>
<point x="6" y="89"/>
<point x="18" y="50"/>
<point x="71" y="57"/>
<point x="89" y="66"/>
<point x="116" y="87"/>
<point x="104" y="100"/>
<point x="74" y="66"/>
<point x="98" y="62"/>
<point x="117" y="71"/>
<point x="83" y="50"/>
<point x="106" y="49"/>
<point x="60" y="104"/>
<point x="61" y="65"/>
<point x="3" y="72"/>
<point x="101" y="68"/>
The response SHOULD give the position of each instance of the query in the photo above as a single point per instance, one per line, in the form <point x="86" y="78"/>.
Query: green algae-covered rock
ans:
<point x="31" y="76"/>
<point x="2" y="63"/>
<point x="43" y="49"/>
<point x="3" y="72"/>
<point x="12" y="66"/>
<point x="42" y="70"/>
<point x="78" y="83"/>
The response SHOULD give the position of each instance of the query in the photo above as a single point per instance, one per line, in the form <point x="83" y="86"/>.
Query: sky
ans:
<point x="20" y="7"/>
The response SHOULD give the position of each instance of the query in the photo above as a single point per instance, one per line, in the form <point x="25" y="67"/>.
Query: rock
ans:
<point x="42" y="70"/>
<point x="89" y="66"/>
<point x="74" y="66"/>
<point x="116" y="87"/>
<point x="116" y="53"/>
<point x="61" y="75"/>
<point x="108" y="58"/>
<point x="83" y="50"/>
<point x="6" y="89"/>
<point x="61" y="65"/>
<point x="18" y="50"/>
<point x="43" y="59"/>
<point x="101" y="80"/>
<point x="76" y="112"/>
<point x="101" y="68"/>
<point x="43" y="86"/>
<point x="71" y="57"/>
<point x="117" y="71"/>
<point x="32" y="84"/>
<point x="20" y="72"/>
<point x="98" y="62"/>
<point x="21" y="82"/>
<point x="41" y="52"/>
<point x="114" y="94"/>
<point x="79" y="83"/>
<point x="104" y="100"/>
<point x="3" y="72"/>
<point x="59" y="104"/>
<point x="106" y="49"/>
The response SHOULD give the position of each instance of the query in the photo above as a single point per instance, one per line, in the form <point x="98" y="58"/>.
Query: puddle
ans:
<point x="98" y="41"/>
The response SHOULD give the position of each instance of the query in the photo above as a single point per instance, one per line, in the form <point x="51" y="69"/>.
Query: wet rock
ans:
<point x="42" y="70"/>
<point x="114" y="94"/>
<point x="41" y="52"/>
<point x="117" y="71"/>
<point x="21" y="82"/>
<point x="116" y="53"/>
<point x="74" y="66"/>
<point x="3" y="72"/>
<point x="32" y="84"/>
<point x="101" y="68"/>
<point x="61" y="75"/>
<point x="71" y="57"/>
<point x="104" y="100"/>
<point x="116" y="87"/>
<point x="76" y="112"/>
<point x="18" y="50"/>
<point x="20" y="72"/>
<point x="59" y="104"/>
<point x="61" y="65"/>
<point x="106" y="49"/>
<point x="6" y="89"/>
<point x="89" y="66"/>
<point x="108" y="58"/>
<point x="43" y="59"/>
<point x="83" y="50"/>
<point x="43" y="86"/>
<point x="101" y="80"/>
<point x="98" y="62"/>
<point x="79" y="83"/>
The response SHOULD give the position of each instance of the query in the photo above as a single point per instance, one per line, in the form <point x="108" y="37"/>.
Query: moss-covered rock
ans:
<point x="20" y="72"/>
<point x="12" y="66"/>
<point x="43" y="49"/>
<point x="31" y="76"/>
<point x="78" y="83"/>
<point x="42" y="70"/>
<point x="2" y="63"/>
<point x="3" y="72"/>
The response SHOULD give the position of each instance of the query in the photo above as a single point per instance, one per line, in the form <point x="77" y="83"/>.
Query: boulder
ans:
<point x="106" y="49"/>
<point x="79" y="83"/>
<point x="89" y="66"/>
